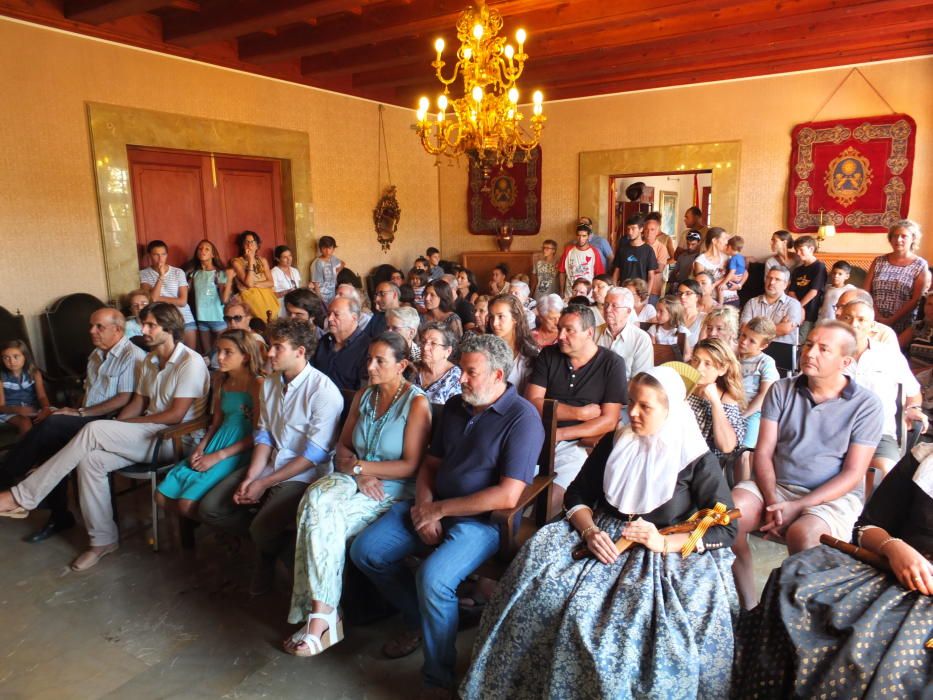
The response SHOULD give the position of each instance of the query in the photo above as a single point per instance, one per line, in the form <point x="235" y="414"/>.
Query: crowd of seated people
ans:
<point x="449" y="387"/>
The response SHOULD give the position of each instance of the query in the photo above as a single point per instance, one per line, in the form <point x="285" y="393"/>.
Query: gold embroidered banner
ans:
<point x="857" y="170"/>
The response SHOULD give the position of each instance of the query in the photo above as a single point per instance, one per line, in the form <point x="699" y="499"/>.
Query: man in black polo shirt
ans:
<point x="482" y="454"/>
<point x="588" y="382"/>
<point x="341" y="353"/>
<point x="634" y="257"/>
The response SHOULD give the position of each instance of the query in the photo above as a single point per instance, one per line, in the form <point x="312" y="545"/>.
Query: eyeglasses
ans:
<point x="234" y="319"/>
<point x="618" y="307"/>
<point x="432" y="344"/>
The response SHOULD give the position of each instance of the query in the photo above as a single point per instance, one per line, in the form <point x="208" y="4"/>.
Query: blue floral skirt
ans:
<point x="648" y="626"/>
<point x="830" y="626"/>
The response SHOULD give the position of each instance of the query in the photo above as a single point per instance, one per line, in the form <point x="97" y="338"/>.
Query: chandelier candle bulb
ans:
<point x="485" y="123"/>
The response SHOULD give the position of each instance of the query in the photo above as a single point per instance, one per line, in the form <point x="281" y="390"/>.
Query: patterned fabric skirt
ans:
<point x="830" y="626"/>
<point x="648" y="626"/>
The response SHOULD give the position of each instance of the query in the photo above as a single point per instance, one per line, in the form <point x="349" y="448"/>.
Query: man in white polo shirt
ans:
<point x="172" y="388"/>
<point x="622" y="334"/>
<point x="299" y="423"/>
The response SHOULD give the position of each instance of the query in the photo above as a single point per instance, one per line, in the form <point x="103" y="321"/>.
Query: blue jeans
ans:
<point x="428" y="597"/>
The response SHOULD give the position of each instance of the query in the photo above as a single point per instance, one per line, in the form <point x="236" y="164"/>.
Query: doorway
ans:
<point x="182" y="197"/>
<point x="670" y="193"/>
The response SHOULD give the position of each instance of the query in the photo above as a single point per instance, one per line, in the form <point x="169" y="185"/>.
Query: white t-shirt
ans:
<point x="830" y="298"/>
<point x="647" y="314"/>
<point x="286" y="282"/>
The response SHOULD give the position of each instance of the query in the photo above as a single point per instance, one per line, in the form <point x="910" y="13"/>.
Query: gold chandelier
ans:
<point x="486" y="123"/>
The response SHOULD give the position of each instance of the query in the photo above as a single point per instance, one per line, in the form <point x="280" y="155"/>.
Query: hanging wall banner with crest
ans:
<point x="512" y="197"/>
<point x="857" y="170"/>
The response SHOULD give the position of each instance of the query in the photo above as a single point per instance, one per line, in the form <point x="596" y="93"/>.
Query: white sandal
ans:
<point x="314" y="645"/>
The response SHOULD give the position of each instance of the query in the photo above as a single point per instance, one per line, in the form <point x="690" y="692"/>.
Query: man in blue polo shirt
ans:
<point x="483" y="452"/>
<point x="817" y="436"/>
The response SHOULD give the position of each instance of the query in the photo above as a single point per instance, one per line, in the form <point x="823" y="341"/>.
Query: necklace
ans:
<point x="373" y="431"/>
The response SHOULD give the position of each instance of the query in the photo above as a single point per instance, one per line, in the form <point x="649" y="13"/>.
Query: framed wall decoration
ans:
<point x="511" y="197"/>
<point x="668" y="206"/>
<point x="857" y="171"/>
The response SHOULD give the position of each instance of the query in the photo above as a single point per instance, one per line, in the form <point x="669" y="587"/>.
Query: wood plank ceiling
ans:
<point x="382" y="49"/>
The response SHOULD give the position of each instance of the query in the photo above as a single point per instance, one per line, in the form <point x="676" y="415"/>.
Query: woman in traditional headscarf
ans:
<point x="829" y="625"/>
<point x="646" y="622"/>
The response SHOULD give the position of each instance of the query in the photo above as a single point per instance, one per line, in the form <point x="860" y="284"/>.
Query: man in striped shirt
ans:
<point x="111" y="380"/>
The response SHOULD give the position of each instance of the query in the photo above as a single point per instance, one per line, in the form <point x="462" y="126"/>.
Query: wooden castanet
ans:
<point x="859" y="553"/>
<point x="623" y="544"/>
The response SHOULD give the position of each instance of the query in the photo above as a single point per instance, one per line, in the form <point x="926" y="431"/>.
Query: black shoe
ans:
<point x="52" y="527"/>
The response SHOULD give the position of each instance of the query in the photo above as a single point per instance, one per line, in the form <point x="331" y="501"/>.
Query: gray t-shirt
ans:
<point x="813" y="439"/>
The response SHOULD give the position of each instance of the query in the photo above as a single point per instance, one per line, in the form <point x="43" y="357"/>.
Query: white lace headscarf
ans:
<point x="641" y="471"/>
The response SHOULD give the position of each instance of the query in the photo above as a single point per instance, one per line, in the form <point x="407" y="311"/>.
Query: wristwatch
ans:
<point x="357" y="469"/>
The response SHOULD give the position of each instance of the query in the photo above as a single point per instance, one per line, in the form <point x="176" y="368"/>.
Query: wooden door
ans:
<point x="168" y="202"/>
<point x="182" y="197"/>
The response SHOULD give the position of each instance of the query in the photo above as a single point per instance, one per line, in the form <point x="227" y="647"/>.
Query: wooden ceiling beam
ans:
<point x="376" y="25"/>
<point x="746" y="70"/>
<point x="691" y="72"/>
<point x="696" y="51"/>
<point x="688" y="70"/>
<point x="226" y="22"/>
<point x="909" y="26"/>
<point x="101" y="11"/>
<point x="639" y="41"/>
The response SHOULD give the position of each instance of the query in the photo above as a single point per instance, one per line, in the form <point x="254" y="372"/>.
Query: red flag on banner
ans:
<point x="696" y="190"/>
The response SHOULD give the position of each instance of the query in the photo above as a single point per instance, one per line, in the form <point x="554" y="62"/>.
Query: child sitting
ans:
<point x="758" y="374"/>
<point x="582" y="287"/>
<point x="22" y="392"/>
<point x="669" y="321"/>
<point x="736" y="270"/>
<point x="418" y="279"/>
<point x="838" y="285"/>
<point x="723" y="323"/>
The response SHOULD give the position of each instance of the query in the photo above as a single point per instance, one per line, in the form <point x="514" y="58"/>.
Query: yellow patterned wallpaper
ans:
<point x="49" y="227"/>
<point x="759" y="113"/>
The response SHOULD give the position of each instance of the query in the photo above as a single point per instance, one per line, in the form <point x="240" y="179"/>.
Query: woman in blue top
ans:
<point x="227" y="443"/>
<point x="380" y="447"/>
<point x="22" y="392"/>
<point x="211" y="291"/>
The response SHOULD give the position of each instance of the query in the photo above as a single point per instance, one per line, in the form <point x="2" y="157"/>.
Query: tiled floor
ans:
<point x="177" y="625"/>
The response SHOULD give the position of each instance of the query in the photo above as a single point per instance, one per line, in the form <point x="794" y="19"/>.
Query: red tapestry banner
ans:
<point x="513" y="197"/>
<point x="857" y="170"/>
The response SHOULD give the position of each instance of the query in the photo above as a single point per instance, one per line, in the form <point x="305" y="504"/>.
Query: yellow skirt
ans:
<point x="262" y="303"/>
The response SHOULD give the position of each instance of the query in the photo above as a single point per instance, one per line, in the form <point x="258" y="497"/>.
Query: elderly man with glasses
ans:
<point x="622" y="334"/>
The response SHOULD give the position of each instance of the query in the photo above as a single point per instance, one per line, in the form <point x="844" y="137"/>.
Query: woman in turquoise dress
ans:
<point x="380" y="448"/>
<point x="226" y="445"/>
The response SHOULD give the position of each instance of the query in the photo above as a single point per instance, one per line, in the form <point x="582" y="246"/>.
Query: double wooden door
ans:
<point x="183" y="197"/>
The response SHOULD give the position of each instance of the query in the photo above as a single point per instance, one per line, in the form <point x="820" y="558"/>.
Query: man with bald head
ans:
<point x="818" y="434"/>
<point x="341" y="353"/>
<point x="878" y="332"/>
<point x="110" y="382"/>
